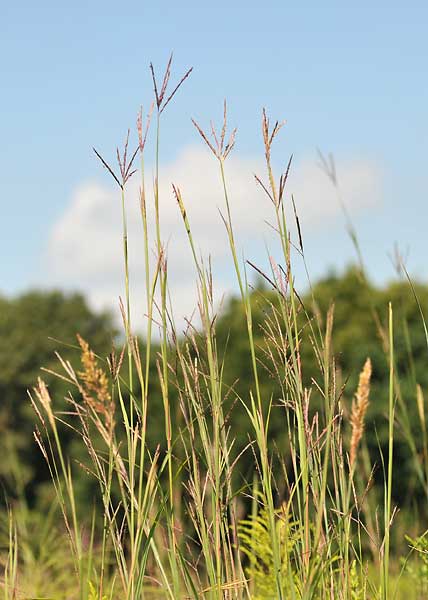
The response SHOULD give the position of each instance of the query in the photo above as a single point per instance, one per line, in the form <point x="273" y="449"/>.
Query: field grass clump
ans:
<point x="257" y="488"/>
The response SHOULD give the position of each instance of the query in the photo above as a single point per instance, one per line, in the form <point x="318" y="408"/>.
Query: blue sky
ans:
<point x="350" y="79"/>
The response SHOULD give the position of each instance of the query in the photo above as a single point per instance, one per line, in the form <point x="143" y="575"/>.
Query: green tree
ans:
<point x="32" y="327"/>
<point x="360" y="321"/>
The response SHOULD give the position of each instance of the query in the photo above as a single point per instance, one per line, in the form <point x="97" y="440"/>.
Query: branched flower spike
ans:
<point x="218" y="148"/>
<point x="142" y="136"/>
<point x="273" y="194"/>
<point x="268" y="137"/>
<point x="124" y="165"/>
<point x="161" y="103"/>
<point x="328" y="165"/>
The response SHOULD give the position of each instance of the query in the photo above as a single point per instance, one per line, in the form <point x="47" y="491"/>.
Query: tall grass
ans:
<point x="179" y="521"/>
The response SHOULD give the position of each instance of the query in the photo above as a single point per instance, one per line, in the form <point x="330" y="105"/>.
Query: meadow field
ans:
<point x="272" y="447"/>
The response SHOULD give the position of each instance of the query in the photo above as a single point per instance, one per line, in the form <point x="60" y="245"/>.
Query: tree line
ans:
<point x="36" y="325"/>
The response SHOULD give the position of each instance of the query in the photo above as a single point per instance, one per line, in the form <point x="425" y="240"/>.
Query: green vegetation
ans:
<point x="277" y="450"/>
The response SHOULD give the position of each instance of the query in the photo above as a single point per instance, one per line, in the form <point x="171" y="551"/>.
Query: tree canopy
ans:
<point x="31" y="324"/>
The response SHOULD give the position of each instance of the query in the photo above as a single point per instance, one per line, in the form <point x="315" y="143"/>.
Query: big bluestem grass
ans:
<point x="180" y="520"/>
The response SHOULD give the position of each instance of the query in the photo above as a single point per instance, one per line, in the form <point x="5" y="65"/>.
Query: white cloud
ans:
<point x="85" y="251"/>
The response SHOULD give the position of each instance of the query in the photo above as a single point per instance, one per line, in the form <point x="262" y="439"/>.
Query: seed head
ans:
<point x="94" y="385"/>
<point x="359" y="408"/>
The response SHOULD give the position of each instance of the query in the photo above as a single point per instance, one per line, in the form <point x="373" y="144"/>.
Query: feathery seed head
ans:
<point x="359" y="408"/>
<point x="95" y="386"/>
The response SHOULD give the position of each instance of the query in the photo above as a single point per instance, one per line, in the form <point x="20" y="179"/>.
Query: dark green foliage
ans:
<point x="27" y="324"/>
<point x="360" y="315"/>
